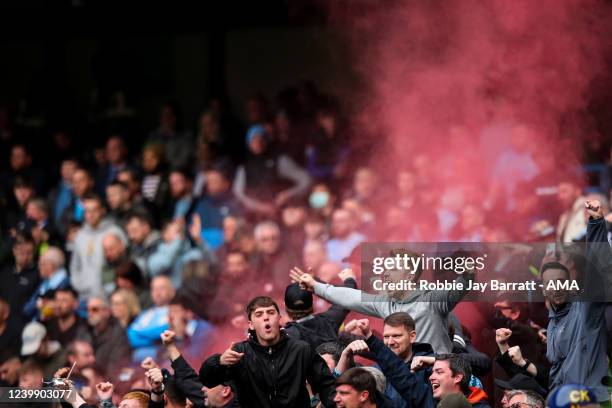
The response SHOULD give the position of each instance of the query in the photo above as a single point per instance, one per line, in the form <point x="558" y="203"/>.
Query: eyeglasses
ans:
<point x="94" y="309"/>
<point x="521" y="405"/>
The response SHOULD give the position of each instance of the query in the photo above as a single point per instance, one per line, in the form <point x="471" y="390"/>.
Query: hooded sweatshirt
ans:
<point x="429" y="309"/>
<point x="88" y="258"/>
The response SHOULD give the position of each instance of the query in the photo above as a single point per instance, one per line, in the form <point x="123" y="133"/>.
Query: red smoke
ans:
<point x="453" y="85"/>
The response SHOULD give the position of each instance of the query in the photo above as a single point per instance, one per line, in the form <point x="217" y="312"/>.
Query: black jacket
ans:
<point x="322" y="327"/>
<point x="188" y="382"/>
<point x="273" y="377"/>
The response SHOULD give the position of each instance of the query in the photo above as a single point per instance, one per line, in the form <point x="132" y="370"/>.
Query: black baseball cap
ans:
<point x="521" y="382"/>
<point x="297" y="299"/>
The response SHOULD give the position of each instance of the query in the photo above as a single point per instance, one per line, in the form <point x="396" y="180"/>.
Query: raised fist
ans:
<point x="105" y="390"/>
<point x="167" y="337"/>
<point x="593" y="208"/>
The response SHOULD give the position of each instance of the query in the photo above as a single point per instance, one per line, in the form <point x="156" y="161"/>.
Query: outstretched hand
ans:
<point x="305" y="280"/>
<point x="230" y="356"/>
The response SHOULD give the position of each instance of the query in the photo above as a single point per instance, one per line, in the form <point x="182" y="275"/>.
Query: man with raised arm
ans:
<point x="270" y="369"/>
<point x="429" y="309"/>
<point x="576" y="338"/>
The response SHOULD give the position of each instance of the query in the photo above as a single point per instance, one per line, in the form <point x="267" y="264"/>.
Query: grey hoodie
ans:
<point x="88" y="258"/>
<point x="428" y="309"/>
<point x="576" y="338"/>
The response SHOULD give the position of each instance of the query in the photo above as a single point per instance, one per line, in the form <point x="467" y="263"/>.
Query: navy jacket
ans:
<point x="414" y="388"/>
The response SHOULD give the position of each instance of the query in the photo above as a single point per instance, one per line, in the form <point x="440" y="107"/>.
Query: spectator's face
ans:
<point x="94" y="212"/>
<point x="46" y="267"/>
<point x="442" y="380"/>
<point x="116" y="197"/>
<point x="115" y="151"/>
<point x="567" y="194"/>
<point x="505" y="309"/>
<point x="23" y="194"/>
<point x="113" y="248"/>
<point x="83" y="355"/>
<point x="314" y="255"/>
<point x="342" y="224"/>
<point x="9" y="371"/>
<point x="216" y="396"/>
<point x="97" y="312"/>
<point x="20" y="159"/>
<point x="30" y="380"/>
<point x="236" y="265"/>
<point x="505" y="399"/>
<point x="399" y="339"/>
<point x="24" y="254"/>
<point x="209" y="125"/>
<point x="349" y="397"/>
<point x="119" y="308"/>
<point x="365" y="183"/>
<point x="328" y="272"/>
<point x="282" y="123"/>
<point x="178" y="185"/>
<point x="257" y="145"/>
<point x="65" y="304"/>
<point x="268" y="241"/>
<point x="266" y="323"/>
<point x="293" y="216"/>
<point x="127" y="178"/>
<point x="327" y="122"/>
<point x="161" y="291"/>
<point x="137" y="231"/>
<point x="329" y="360"/>
<point x="178" y="317"/>
<point x="67" y="170"/>
<point x="81" y="183"/>
<point x="554" y="276"/>
<point x="518" y="401"/>
<point x="150" y="160"/>
<point x="230" y="228"/>
<point x="168" y="117"/>
<point x="216" y="183"/>
<point x="35" y="213"/>
<point x="314" y="229"/>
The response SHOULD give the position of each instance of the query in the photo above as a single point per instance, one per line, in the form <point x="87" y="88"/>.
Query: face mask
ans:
<point x="318" y="199"/>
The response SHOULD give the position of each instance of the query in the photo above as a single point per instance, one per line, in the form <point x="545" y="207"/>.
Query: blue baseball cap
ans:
<point x="570" y="396"/>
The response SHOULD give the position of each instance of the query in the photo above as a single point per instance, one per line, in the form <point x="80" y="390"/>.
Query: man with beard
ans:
<point x="576" y="337"/>
<point x="115" y="253"/>
<point x="110" y="341"/>
<point x="67" y="325"/>
<point x="270" y="369"/>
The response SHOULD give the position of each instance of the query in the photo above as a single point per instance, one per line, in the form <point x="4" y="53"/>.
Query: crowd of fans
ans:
<point x="127" y="262"/>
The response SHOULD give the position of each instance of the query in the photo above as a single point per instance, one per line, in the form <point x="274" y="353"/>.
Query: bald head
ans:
<point x="114" y="247"/>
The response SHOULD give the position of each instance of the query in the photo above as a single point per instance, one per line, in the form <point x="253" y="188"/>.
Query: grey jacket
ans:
<point x="88" y="258"/>
<point x="576" y="338"/>
<point x="429" y="309"/>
